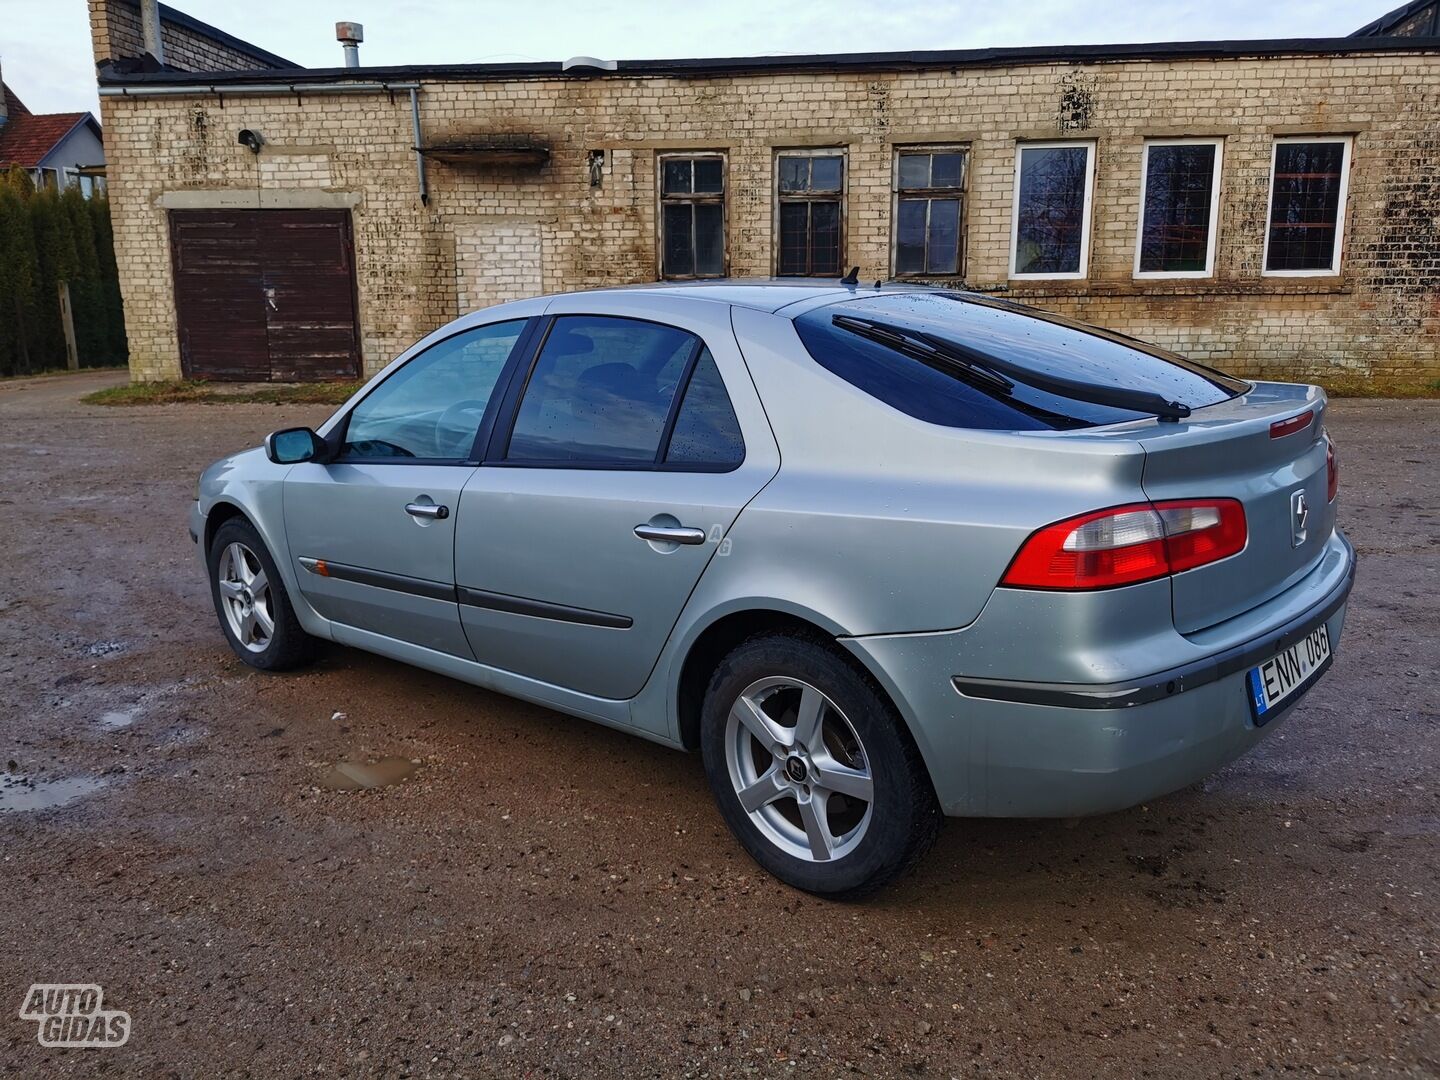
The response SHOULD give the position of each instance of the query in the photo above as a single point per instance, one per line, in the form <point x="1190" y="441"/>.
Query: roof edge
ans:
<point x="877" y="61"/>
<point x="223" y="37"/>
<point x="81" y="120"/>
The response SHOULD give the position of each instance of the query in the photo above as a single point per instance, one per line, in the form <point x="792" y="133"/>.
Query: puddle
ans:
<point x="114" y="721"/>
<point x="360" y="775"/>
<point x="21" y="793"/>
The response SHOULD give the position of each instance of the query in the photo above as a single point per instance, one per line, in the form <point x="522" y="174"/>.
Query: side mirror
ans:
<point x="294" y="445"/>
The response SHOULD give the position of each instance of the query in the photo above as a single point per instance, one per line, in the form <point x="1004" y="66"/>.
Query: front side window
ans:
<point x="929" y="211"/>
<point x="431" y="408"/>
<point x="1050" y="236"/>
<point x="1308" y="178"/>
<point x="692" y="215"/>
<point x="1179" y="193"/>
<point x="811" y="208"/>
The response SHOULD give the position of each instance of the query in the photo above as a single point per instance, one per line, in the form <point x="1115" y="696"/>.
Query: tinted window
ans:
<point x="1044" y="343"/>
<point x="706" y="431"/>
<point x="1050" y="218"/>
<point x="432" y="406"/>
<point x="1305" y="205"/>
<point x="601" y="391"/>
<point x="1175" y="230"/>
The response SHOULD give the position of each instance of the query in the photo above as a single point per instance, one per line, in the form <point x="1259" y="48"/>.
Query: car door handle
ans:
<point x="670" y="534"/>
<point x="427" y="510"/>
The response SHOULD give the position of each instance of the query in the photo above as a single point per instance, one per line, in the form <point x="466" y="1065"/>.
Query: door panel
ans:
<point x="553" y="580"/>
<point x="362" y="560"/>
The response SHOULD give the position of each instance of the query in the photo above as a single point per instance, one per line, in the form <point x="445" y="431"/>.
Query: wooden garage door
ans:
<point x="265" y="294"/>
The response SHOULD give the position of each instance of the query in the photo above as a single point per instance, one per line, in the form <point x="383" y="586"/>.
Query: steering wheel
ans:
<point x="456" y="428"/>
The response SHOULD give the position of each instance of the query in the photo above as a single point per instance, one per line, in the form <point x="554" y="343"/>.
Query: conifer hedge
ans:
<point x="47" y="237"/>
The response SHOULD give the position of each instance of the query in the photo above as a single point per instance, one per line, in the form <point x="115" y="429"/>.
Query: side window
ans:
<point x="692" y="215"/>
<point x="706" y="431"/>
<point x="600" y="392"/>
<point x="430" y="409"/>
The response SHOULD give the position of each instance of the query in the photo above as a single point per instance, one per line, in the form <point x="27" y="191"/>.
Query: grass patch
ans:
<point x="1353" y="387"/>
<point x="188" y="391"/>
<point x="49" y="372"/>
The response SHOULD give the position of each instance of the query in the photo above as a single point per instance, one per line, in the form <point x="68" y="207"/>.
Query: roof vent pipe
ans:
<point x="350" y="35"/>
<point x="150" y="28"/>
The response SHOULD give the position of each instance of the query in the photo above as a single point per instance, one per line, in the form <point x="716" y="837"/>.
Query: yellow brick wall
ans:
<point x="489" y="233"/>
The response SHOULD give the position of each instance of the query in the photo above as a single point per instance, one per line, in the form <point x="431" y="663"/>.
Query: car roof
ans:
<point x="763" y="294"/>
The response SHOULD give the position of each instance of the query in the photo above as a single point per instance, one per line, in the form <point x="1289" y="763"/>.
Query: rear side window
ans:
<point x="706" y="431"/>
<point x="1051" y="347"/>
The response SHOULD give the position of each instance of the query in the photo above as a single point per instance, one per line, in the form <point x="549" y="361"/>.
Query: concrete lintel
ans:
<point x="251" y="199"/>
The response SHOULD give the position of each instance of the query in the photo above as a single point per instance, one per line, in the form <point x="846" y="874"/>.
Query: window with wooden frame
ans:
<point x="1179" y="208"/>
<point x="1050" y="227"/>
<point x="810" y="212"/>
<point x="1309" y="176"/>
<point x="692" y="215"/>
<point x="930" y="211"/>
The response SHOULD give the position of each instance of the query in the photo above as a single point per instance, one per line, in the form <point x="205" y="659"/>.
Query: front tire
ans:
<point x="250" y="600"/>
<point x="813" y="769"/>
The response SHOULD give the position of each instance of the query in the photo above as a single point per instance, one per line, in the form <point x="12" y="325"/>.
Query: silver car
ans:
<point x="881" y="555"/>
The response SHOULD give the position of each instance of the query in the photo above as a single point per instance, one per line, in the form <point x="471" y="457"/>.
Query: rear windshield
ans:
<point x="1023" y="340"/>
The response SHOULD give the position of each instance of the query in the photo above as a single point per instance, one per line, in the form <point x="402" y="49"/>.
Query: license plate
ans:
<point x="1288" y="673"/>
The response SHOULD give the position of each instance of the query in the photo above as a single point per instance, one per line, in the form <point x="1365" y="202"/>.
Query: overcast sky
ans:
<point x="45" y="44"/>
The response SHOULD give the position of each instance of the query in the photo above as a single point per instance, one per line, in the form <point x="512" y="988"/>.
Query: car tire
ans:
<point x="843" y="731"/>
<point x="258" y="622"/>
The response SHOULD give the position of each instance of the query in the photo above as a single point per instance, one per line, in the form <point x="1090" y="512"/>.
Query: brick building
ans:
<point x="1270" y="206"/>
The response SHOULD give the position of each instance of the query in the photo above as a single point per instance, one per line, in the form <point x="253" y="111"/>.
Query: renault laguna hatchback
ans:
<point x="880" y="555"/>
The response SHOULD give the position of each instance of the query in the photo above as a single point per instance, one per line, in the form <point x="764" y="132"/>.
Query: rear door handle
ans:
<point x="667" y="534"/>
<point x="427" y="510"/>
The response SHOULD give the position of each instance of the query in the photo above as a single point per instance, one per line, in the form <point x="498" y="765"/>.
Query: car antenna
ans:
<point x="852" y="278"/>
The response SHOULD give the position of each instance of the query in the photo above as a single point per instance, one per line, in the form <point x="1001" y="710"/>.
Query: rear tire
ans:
<point x="255" y="612"/>
<point x="813" y="768"/>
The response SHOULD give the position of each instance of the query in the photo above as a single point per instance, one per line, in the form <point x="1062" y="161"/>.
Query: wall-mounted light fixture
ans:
<point x="251" y="140"/>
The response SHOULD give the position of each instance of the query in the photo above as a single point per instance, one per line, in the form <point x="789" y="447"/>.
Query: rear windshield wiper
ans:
<point x="953" y="357"/>
<point x="929" y="350"/>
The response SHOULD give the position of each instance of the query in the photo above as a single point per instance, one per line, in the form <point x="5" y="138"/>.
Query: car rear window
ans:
<point x="1025" y="340"/>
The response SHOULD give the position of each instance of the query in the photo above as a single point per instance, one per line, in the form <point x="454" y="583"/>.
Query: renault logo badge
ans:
<point x="1299" y="517"/>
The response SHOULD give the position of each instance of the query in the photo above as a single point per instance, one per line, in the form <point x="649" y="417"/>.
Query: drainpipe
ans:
<point x="150" y="25"/>
<point x="419" y="157"/>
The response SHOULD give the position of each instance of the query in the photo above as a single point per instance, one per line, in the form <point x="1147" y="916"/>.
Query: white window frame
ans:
<point x="1348" y="142"/>
<point x="1087" y="217"/>
<point x="1209" y="271"/>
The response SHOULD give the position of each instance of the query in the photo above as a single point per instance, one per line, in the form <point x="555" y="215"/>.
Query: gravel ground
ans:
<point x="547" y="897"/>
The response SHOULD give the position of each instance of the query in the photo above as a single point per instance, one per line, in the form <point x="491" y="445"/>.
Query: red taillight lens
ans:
<point x="1332" y="474"/>
<point x="1281" y="428"/>
<point x="1127" y="544"/>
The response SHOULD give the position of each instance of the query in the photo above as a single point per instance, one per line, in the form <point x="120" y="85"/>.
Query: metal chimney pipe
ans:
<point x="350" y="35"/>
<point x="150" y="26"/>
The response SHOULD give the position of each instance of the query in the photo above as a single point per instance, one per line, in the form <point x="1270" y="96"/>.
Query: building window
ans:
<point x="929" y="211"/>
<point x="692" y="215"/>
<point x="811" y="212"/>
<point x="1179" y="196"/>
<point x="1050" y="235"/>
<point x="1308" y="178"/>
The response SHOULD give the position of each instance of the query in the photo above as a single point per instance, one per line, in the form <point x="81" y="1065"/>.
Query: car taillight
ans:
<point x="1332" y="473"/>
<point x="1127" y="544"/>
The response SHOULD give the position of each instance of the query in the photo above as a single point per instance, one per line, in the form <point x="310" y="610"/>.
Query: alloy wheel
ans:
<point x="799" y="769"/>
<point x="245" y="597"/>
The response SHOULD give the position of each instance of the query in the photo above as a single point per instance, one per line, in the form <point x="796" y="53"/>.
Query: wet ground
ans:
<point x="545" y="897"/>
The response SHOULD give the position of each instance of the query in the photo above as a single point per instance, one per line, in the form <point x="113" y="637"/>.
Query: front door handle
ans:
<point x="667" y="534"/>
<point x="427" y="510"/>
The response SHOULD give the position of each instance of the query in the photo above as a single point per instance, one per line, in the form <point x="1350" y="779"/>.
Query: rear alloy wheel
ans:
<point x="251" y="601"/>
<point x="813" y="769"/>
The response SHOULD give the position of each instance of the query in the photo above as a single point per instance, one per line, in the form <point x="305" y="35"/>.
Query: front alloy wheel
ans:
<point x="245" y="597"/>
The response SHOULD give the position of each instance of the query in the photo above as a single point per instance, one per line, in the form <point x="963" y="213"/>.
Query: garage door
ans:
<point x="265" y="295"/>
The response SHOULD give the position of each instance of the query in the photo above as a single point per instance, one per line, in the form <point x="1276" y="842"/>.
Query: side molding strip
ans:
<point x="433" y="590"/>
<point x="540" y="609"/>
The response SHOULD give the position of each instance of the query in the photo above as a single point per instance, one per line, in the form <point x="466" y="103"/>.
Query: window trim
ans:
<point x="962" y="193"/>
<point x="722" y="197"/>
<point x="1213" y="234"/>
<point x="1348" y="142"/>
<point x="498" y="441"/>
<point x="1086" y="218"/>
<point x="336" y="437"/>
<point x="842" y="151"/>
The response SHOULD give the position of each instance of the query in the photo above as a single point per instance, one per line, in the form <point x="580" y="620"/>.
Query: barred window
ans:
<point x="1050" y="233"/>
<point x="811" y="212"/>
<point x="1308" y="178"/>
<point x="692" y="215"/>
<point x="929" y="211"/>
<point x="1179" y="195"/>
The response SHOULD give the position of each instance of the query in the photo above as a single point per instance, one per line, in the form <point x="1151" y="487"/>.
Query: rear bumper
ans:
<point x="1025" y="748"/>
